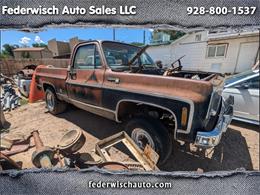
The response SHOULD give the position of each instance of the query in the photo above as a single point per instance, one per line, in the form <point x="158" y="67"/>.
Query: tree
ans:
<point x="137" y="44"/>
<point x="173" y="34"/>
<point x="39" y="45"/>
<point x="8" y="50"/>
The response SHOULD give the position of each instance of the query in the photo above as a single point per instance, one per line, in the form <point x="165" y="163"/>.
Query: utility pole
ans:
<point x="114" y="34"/>
<point x="144" y="38"/>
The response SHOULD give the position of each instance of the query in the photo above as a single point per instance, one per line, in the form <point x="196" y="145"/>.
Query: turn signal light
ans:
<point x="184" y="116"/>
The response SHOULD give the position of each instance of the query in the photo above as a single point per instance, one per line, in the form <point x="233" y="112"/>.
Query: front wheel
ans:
<point x="150" y="131"/>
<point x="53" y="104"/>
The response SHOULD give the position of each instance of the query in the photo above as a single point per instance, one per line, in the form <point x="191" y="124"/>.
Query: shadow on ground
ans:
<point x="230" y="154"/>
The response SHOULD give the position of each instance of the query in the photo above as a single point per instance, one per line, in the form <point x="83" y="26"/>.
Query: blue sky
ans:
<point x="127" y="35"/>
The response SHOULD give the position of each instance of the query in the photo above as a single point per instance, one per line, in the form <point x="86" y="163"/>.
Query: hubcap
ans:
<point x="141" y="138"/>
<point x="50" y="101"/>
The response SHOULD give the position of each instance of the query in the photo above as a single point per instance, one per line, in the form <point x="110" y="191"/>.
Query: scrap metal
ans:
<point x="9" y="161"/>
<point x="15" y="149"/>
<point x="144" y="160"/>
<point x="9" y="98"/>
<point x="43" y="155"/>
<point x="5" y="143"/>
<point x="71" y="142"/>
<point x="2" y="118"/>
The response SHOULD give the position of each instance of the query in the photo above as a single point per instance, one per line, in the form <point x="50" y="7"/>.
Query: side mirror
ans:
<point x="159" y="63"/>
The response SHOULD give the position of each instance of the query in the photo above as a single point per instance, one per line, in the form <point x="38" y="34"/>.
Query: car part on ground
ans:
<point x="24" y="86"/>
<point x="67" y="155"/>
<point x="71" y="142"/>
<point x="15" y="149"/>
<point x="5" y="143"/>
<point x="17" y="137"/>
<point x="113" y="166"/>
<point x="7" y="162"/>
<point x="2" y="118"/>
<point x="5" y="80"/>
<point x="42" y="157"/>
<point x="9" y="99"/>
<point x="144" y="160"/>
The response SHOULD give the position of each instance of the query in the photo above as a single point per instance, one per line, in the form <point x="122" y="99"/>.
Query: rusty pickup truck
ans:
<point x="121" y="82"/>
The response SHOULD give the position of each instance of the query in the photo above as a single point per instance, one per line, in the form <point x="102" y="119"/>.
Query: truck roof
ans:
<point x="101" y="41"/>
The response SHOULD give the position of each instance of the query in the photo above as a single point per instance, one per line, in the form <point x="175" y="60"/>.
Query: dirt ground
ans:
<point x="239" y="147"/>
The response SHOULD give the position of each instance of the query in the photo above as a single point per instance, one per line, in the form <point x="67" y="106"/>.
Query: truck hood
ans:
<point x="195" y="90"/>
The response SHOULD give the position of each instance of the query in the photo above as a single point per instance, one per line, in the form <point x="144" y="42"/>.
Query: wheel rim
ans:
<point x="50" y="101"/>
<point x="141" y="138"/>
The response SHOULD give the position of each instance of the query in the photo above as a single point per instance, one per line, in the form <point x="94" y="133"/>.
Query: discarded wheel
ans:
<point x="113" y="166"/>
<point x="72" y="141"/>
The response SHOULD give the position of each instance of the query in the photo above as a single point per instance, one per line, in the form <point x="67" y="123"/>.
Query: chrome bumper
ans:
<point x="212" y="138"/>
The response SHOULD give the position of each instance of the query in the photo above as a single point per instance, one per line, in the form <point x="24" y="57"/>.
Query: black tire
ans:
<point x="58" y="105"/>
<point x="157" y="131"/>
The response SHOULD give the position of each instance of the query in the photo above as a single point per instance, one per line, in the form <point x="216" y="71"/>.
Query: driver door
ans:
<point x="86" y="75"/>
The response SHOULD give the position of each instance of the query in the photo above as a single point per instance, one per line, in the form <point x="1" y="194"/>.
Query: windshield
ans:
<point x="118" y="56"/>
<point x="239" y="76"/>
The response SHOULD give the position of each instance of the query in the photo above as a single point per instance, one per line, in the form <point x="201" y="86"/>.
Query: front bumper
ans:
<point x="212" y="138"/>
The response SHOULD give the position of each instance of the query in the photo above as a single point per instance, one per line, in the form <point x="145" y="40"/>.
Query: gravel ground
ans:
<point x="239" y="147"/>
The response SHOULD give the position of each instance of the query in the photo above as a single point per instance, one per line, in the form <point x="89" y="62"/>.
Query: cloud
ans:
<point x="25" y="40"/>
<point x="37" y="39"/>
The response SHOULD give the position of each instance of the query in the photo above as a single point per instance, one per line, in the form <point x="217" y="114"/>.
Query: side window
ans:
<point x="87" y="57"/>
<point x="214" y="51"/>
<point x="254" y="83"/>
<point x="97" y="59"/>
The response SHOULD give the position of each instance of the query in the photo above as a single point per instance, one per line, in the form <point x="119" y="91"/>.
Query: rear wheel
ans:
<point x="53" y="104"/>
<point x="151" y="131"/>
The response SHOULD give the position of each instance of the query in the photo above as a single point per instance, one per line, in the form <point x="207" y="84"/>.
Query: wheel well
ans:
<point x="129" y="109"/>
<point x="48" y="86"/>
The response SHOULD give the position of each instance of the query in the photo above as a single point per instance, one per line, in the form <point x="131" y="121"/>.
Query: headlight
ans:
<point x="214" y="103"/>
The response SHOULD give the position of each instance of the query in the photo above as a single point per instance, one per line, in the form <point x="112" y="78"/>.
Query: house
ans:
<point x="160" y="37"/>
<point x="74" y="41"/>
<point x="32" y="52"/>
<point x="62" y="49"/>
<point x="224" y="52"/>
<point x="59" y="48"/>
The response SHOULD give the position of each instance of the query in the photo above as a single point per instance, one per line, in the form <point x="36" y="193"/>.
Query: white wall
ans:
<point x="195" y="53"/>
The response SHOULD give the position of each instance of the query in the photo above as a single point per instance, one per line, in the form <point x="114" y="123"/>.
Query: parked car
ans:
<point x="245" y="89"/>
<point x="121" y="82"/>
<point x="24" y="78"/>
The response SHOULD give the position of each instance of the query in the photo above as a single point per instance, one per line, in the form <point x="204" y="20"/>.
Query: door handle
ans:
<point x="114" y="80"/>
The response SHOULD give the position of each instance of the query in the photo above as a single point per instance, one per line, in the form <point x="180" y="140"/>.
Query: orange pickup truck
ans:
<point x="122" y="83"/>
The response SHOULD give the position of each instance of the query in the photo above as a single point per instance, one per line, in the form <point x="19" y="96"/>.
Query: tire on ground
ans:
<point x="58" y="105"/>
<point x="157" y="131"/>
